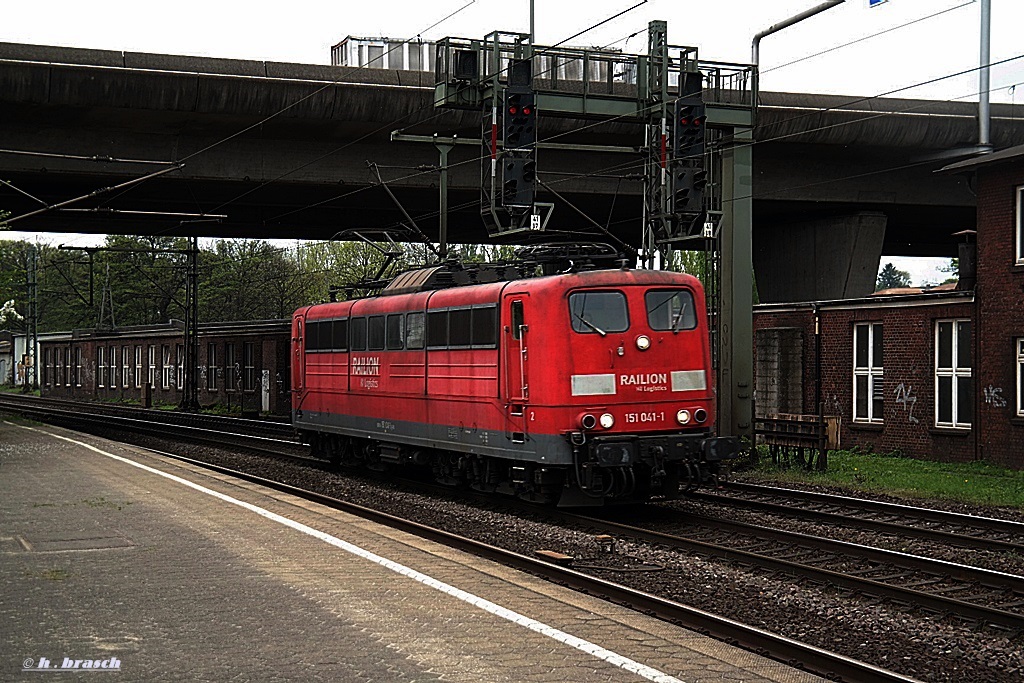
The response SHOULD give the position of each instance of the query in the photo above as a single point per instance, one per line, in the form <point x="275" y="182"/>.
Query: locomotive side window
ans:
<point x="376" y="333"/>
<point x="460" y="327"/>
<point x="485" y="326"/>
<point x="598" y="312"/>
<point x="414" y="331"/>
<point x="437" y="329"/>
<point x="339" y="335"/>
<point x="311" y="336"/>
<point x="517" y="319"/>
<point x="323" y="335"/>
<point x="394" y="332"/>
<point x="357" y="328"/>
<point x="670" y="309"/>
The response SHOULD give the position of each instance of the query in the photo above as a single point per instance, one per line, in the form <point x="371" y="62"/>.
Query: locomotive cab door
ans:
<point x="298" y="357"/>
<point x="517" y="385"/>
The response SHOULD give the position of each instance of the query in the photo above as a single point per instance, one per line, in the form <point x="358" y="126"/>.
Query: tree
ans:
<point x="953" y="269"/>
<point x="890" y="277"/>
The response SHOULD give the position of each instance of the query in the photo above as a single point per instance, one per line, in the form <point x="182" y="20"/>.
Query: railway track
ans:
<point x="252" y="435"/>
<point x="950" y="528"/>
<point x="779" y="647"/>
<point x="980" y="596"/>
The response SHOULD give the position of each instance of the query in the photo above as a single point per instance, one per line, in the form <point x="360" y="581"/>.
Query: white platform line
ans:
<point x="613" y="658"/>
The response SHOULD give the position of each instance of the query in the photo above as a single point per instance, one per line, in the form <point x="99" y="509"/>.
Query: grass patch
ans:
<point x="978" y="483"/>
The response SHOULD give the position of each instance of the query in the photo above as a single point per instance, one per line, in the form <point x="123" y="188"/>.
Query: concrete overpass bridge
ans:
<point x="837" y="181"/>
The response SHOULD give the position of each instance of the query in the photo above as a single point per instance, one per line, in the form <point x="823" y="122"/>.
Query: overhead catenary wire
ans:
<point x="756" y="142"/>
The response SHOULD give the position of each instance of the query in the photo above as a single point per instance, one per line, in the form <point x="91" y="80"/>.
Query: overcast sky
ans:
<point x="303" y="31"/>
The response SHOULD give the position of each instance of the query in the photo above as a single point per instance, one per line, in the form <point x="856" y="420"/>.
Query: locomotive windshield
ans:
<point x="598" y="312"/>
<point x="670" y="309"/>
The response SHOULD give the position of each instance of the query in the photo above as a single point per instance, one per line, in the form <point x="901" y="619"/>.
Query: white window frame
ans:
<point x="101" y="366"/>
<point x="112" y="352"/>
<point x="211" y="366"/>
<point x="231" y="368"/>
<point x="179" y="358"/>
<point x="78" y="366"/>
<point x="152" y="365"/>
<point x="1019" y="211"/>
<point x="954" y="372"/>
<point x="68" y="369"/>
<point x="875" y="374"/>
<point x="126" y="374"/>
<point x="249" y="366"/>
<point x="1020" y="376"/>
<point x="166" y="367"/>
<point x="138" y="366"/>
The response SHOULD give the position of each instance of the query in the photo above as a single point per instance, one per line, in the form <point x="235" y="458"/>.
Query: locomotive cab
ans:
<point x="618" y="364"/>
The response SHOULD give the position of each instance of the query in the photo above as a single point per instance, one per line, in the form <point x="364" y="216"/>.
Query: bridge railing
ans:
<point x="577" y="80"/>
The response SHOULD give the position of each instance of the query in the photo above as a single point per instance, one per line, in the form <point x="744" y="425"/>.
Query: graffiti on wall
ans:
<point x="905" y="397"/>
<point x="994" y="396"/>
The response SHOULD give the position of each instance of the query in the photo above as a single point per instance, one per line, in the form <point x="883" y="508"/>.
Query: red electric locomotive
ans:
<point x="581" y="388"/>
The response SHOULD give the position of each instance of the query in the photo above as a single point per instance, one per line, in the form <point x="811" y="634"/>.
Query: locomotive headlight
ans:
<point x="587" y="421"/>
<point x="683" y="417"/>
<point x="643" y="342"/>
<point x="700" y="415"/>
<point x="607" y="420"/>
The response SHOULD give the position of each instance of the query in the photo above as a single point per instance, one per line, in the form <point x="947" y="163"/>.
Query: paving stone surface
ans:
<point x="101" y="560"/>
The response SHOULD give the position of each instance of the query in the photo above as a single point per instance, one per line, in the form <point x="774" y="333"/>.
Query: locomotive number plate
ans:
<point x="635" y="418"/>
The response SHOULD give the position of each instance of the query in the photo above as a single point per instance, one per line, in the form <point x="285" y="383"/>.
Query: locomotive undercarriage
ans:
<point x="604" y="470"/>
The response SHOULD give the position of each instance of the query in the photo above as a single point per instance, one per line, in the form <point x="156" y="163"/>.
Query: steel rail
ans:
<point x="965" y="541"/>
<point x="205" y="435"/>
<point x="236" y="425"/>
<point x="929" y="514"/>
<point x="772" y="645"/>
<point x="928" y="601"/>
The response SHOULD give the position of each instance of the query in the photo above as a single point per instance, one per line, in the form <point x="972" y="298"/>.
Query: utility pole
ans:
<point x="984" y="114"/>
<point x="190" y="395"/>
<point x="32" y="285"/>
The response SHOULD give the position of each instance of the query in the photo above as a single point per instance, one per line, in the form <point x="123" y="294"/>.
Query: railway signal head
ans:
<point x="688" y="133"/>
<point x="520" y="120"/>
<point x="688" y="190"/>
<point x="519" y="181"/>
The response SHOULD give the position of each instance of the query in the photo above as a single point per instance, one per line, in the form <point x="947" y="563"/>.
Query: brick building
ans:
<point x="241" y="364"/>
<point x="930" y="373"/>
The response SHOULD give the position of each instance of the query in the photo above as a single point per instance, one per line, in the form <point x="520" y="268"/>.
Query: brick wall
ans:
<point x="1000" y="295"/>
<point x="908" y="381"/>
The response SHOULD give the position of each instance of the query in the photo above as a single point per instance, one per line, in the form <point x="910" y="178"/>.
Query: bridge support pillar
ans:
<point x="819" y="260"/>
<point x="736" y="336"/>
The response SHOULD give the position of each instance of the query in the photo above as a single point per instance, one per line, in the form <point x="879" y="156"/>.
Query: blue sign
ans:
<point x="876" y="3"/>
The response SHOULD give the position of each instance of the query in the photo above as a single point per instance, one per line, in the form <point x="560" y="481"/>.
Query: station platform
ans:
<point x="130" y="564"/>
